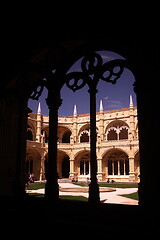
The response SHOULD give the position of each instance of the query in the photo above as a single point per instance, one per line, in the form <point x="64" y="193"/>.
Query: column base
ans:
<point x="71" y="175"/>
<point x="132" y="177"/>
<point x="100" y="176"/>
<point x="94" y="193"/>
<point x="52" y="191"/>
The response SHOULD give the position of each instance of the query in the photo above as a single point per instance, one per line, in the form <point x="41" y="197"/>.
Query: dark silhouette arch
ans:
<point x="29" y="68"/>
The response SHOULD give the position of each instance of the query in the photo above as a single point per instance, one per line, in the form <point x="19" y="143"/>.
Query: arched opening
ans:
<point x="117" y="130"/>
<point x="63" y="164"/>
<point x="84" y="137"/>
<point x="33" y="163"/>
<point x="66" y="137"/>
<point x="112" y="135"/>
<point x="82" y="165"/>
<point x="139" y="58"/>
<point x="65" y="167"/>
<point x="84" y="133"/>
<point x="109" y="71"/>
<point x="123" y="134"/>
<point x="116" y="165"/>
<point x="29" y="135"/>
<point x="64" y="134"/>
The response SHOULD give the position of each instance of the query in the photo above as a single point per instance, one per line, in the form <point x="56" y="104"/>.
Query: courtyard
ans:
<point x="113" y="193"/>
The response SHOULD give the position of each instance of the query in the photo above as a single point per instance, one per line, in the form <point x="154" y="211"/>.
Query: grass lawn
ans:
<point x="64" y="197"/>
<point x="35" y="186"/>
<point x="114" y="185"/>
<point x="75" y="198"/>
<point x="131" y="195"/>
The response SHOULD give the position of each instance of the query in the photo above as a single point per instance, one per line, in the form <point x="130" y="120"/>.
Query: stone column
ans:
<point x="52" y="188"/>
<point x="75" y="124"/>
<point x="131" y="169"/>
<point x="71" y="174"/>
<point x="132" y="118"/>
<point x="38" y="132"/>
<point x="19" y="182"/>
<point x="101" y="122"/>
<point x="118" y="167"/>
<point x="99" y="163"/>
<point x="41" y="169"/>
<point x="93" y="186"/>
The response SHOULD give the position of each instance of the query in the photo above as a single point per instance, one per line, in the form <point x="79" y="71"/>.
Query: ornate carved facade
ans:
<point x="117" y="145"/>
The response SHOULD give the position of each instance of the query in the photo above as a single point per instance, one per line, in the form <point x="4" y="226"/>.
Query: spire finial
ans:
<point x="131" y="102"/>
<point x="101" y="106"/>
<point x="75" y="110"/>
<point x="39" y="108"/>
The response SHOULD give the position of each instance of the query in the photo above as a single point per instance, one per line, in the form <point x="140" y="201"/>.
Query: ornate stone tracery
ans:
<point x="93" y="69"/>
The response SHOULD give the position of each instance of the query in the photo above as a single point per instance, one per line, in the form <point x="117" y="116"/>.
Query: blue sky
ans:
<point x="117" y="94"/>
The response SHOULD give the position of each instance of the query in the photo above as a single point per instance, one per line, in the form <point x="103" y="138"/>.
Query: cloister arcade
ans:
<point x="46" y="51"/>
<point x="117" y="145"/>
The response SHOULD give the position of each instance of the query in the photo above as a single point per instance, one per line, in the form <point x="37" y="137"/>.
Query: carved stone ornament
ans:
<point x="93" y="70"/>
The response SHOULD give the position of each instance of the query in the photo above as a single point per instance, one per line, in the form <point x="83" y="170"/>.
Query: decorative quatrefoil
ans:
<point x="93" y="69"/>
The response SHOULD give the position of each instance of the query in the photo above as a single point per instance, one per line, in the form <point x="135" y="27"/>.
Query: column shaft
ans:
<point x="52" y="187"/>
<point x="93" y="187"/>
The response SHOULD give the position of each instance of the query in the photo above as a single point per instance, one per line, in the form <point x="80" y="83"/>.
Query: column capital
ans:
<point x="53" y="101"/>
<point x="92" y="90"/>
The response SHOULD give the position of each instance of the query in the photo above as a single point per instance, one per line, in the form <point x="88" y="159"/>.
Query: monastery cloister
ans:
<point x="117" y="145"/>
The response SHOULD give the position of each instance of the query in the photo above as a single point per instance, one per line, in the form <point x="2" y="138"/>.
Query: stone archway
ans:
<point x="115" y="164"/>
<point x="33" y="163"/>
<point x="63" y="164"/>
<point x="64" y="134"/>
<point x="82" y="165"/>
<point x="91" y="62"/>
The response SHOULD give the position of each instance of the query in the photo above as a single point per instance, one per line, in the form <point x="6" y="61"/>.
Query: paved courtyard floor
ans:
<point x="105" y="197"/>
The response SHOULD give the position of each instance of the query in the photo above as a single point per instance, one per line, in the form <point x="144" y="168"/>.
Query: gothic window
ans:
<point x="84" y="167"/>
<point x="112" y="135"/>
<point x="84" y="137"/>
<point x="123" y="134"/>
<point x="117" y="130"/>
<point x="118" y="164"/>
